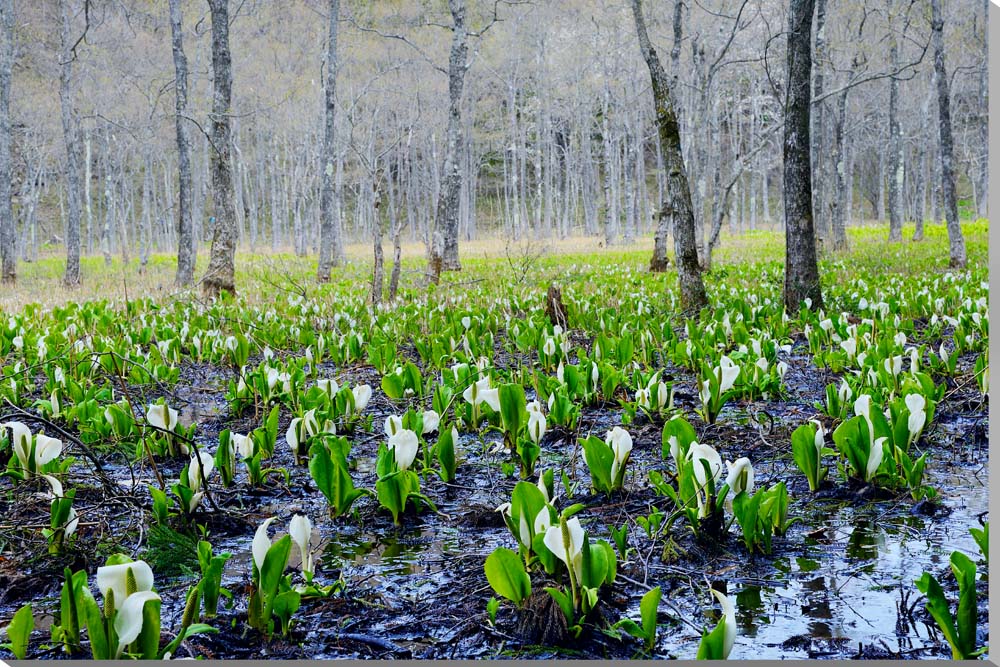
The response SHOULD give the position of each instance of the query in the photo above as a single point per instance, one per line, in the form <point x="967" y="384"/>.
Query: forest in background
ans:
<point x="557" y="134"/>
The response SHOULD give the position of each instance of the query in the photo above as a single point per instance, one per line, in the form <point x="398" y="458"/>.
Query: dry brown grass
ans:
<point x="41" y="282"/>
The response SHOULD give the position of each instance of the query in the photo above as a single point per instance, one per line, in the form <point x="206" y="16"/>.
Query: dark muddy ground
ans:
<point x="838" y="585"/>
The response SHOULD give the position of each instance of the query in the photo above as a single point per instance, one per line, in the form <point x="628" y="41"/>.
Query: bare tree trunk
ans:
<point x="982" y="206"/>
<point x="801" y="269"/>
<point x="71" y="133"/>
<point x="678" y="202"/>
<point x="220" y="275"/>
<point x="186" y="252"/>
<point x="331" y="244"/>
<point x="444" y="250"/>
<point x="8" y="257"/>
<point x="818" y="128"/>
<point x="378" y="272"/>
<point x="896" y="169"/>
<point x="947" y="149"/>
<point x="841" y="206"/>
<point x="923" y="178"/>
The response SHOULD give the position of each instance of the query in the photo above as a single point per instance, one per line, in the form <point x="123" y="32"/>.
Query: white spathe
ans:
<point x="162" y="417"/>
<point x="740" y="476"/>
<point x="46" y="449"/>
<point x="261" y="544"/>
<point x="128" y="620"/>
<point x="20" y="437"/>
<point x="241" y="445"/>
<point x="536" y="426"/>
<point x="300" y="528"/>
<point x="729" y="618"/>
<point x="729" y="373"/>
<point x="431" y="421"/>
<point x="571" y="554"/>
<point x="362" y="394"/>
<point x="916" y="404"/>
<point x="875" y="458"/>
<point x="404" y="446"/>
<point x="393" y="424"/>
<point x="198" y="474"/>
<point x="113" y="578"/>
<point x="620" y="442"/>
<point x="481" y="392"/>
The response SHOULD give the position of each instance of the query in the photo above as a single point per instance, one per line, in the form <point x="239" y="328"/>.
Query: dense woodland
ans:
<point x="515" y="118"/>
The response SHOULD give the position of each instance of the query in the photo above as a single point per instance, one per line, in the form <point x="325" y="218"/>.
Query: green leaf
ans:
<point x="148" y="642"/>
<point x="285" y="606"/>
<point x="391" y="492"/>
<point x="965" y="573"/>
<point x="805" y="454"/>
<point x="506" y="574"/>
<point x="599" y="458"/>
<point x="392" y="385"/>
<point x="513" y="408"/>
<point x="19" y="631"/>
<point x="982" y="538"/>
<point x="446" y="454"/>
<point x="270" y="576"/>
<point x="564" y="601"/>
<point x="96" y="629"/>
<point x="647" y="609"/>
<point x="683" y="431"/>
<point x="713" y="643"/>
<point x="937" y="606"/>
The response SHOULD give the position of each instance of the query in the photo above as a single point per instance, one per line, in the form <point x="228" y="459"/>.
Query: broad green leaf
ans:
<point x="505" y="572"/>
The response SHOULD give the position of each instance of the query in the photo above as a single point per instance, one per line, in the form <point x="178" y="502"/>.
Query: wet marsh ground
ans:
<point x="838" y="584"/>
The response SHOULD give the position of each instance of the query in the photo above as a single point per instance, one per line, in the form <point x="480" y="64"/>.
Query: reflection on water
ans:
<point x="844" y="586"/>
<point x="400" y="554"/>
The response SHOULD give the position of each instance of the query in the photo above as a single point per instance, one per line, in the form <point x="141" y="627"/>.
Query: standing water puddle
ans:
<point x="846" y="584"/>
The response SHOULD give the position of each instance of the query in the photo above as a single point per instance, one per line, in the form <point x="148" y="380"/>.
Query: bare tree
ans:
<point x="444" y="250"/>
<point x="331" y="245"/>
<point x="186" y="252"/>
<point x="946" y="143"/>
<point x="897" y="171"/>
<point x="71" y="135"/>
<point x="220" y="275"/>
<point x="801" y="270"/>
<point x="8" y="258"/>
<point x="659" y="260"/>
<point x="677" y="204"/>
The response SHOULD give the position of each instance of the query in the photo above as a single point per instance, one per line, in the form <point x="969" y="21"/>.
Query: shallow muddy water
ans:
<point x="839" y="584"/>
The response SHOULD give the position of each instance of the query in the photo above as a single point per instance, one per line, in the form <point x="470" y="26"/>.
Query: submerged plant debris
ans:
<point x="402" y="431"/>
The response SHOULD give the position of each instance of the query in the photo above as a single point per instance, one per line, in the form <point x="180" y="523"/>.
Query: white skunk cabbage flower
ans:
<point x="729" y="619"/>
<point x="431" y="421"/>
<point x="480" y="392"/>
<point x="874" y="458"/>
<point x="198" y="474"/>
<point x="536" y="426"/>
<point x="57" y="493"/>
<point x="730" y="372"/>
<point x="128" y="621"/>
<point x="114" y="577"/>
<point x="569" y="553"/>
<point x="393" y="425"/>
<point x="740" y="476"/>
<point x="362" y="394"/>
<point x="620" y="442"/>
<point x="329" y="387"/>
<point x="300" y="528"/>
<point x="162" y="417"/>
<point x="916" y="404"/>
<point x="241" y="445"/>
<point x="261" y="544"/>
<point x="404" y="445"/>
